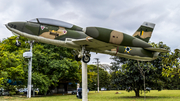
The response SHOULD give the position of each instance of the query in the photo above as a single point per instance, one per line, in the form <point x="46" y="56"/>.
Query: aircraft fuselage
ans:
<point x="101" y="40"/>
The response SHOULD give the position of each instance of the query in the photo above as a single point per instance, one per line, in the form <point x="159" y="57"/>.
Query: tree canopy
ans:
<point x="51" y="64"/>
<point x="104" y="77"/>
<point x="127" y="76"/>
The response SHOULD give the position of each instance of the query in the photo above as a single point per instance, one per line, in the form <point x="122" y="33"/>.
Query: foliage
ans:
<point x="127" y="75"/>
<point x="171" y="70"/>
<point x="11" y="63"/>
<point x="51" y="64"/>
<point x="12" y="93"/>
<point x="104" y="77"/>
<point x="3" y="77"/>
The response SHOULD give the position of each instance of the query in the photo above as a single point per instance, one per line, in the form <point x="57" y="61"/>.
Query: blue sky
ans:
<point x="121" y="15"/>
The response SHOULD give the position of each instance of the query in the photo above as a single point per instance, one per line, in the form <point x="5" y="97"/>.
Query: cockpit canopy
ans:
<point x="51" y="22"/>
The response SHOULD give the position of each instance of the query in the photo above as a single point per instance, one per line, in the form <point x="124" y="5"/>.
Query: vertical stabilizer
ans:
<point x="144" y="31"/>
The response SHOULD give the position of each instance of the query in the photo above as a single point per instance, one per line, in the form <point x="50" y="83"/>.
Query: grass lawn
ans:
<point x="154" y="95"/>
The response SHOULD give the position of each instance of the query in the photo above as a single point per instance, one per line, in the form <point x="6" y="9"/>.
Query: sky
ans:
<point x="122" y="15"/>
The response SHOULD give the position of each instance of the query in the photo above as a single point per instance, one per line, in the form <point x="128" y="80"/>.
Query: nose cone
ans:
<point x="16" y="25"/>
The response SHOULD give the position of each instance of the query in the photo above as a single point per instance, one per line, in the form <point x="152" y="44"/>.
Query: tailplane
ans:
<point x="157" y="49"/>
<point x="144" y="31"/>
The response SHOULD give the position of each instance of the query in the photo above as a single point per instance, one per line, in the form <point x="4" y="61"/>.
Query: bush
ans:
<point x="20" y="93"/>
<point x="12" y="92"/>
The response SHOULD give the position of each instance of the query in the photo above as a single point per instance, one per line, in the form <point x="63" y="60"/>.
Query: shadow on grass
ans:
<point x="24" y="97"/>
<point x="147" y="97"/>
<point x="4" y="98"/>
<point x="53" y="95"/>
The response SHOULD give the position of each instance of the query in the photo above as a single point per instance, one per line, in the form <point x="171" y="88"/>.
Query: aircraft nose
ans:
<point x="17" y="25"/>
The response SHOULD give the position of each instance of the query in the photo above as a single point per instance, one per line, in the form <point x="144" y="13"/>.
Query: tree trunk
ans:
<point x="136" y="92"/>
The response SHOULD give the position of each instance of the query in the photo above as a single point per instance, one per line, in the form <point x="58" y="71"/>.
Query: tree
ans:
<point x="129" y="76"/>
<point x="104" y="77"/>
<point x="171" y="70"/>
<point x="11" y="64"/>
<point x="51" y="64"/>
<point x="54" y="64"/>
<point x="92" y="77"/>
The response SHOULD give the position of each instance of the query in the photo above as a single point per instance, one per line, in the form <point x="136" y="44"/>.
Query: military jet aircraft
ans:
<point x="89" y="39"/>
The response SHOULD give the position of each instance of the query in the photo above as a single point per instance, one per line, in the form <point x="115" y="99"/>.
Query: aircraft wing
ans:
<point x="94" y="45"/>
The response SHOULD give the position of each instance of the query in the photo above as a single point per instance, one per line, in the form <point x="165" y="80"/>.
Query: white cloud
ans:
<point x="104" y="59"/>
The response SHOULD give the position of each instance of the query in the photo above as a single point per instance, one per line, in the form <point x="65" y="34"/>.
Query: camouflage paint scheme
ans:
<point x="119" y="38"/>
<point x="144" y="33"/>
<point x="96" y="39"/>
<point x="51" y="32"/>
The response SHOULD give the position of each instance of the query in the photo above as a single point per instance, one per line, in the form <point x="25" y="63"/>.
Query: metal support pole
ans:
<point x="98" y="77"/>
<point x="84" y="79"/>
<point x="29" y="71"/>
<point x="144" y="88"/>
<point x="97" y="74"/>
<point x="78" y="86"/>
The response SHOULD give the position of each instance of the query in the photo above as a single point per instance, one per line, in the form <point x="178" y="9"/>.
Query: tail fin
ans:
<point x="144" y="31"/>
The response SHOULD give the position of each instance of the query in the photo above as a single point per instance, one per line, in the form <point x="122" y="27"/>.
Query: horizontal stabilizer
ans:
<point x="157" y="49"/>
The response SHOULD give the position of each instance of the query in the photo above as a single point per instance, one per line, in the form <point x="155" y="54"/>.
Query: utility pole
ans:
<point x="97" y="73"/>
<point x="29" y="55"/>
<point x="30" y="71"/>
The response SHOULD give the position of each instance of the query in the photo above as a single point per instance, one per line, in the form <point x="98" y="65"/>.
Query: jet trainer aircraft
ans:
<point x="94" y="39"/>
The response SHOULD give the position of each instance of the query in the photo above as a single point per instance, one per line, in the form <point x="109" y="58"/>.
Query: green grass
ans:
<point x="154" y="95"/>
